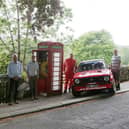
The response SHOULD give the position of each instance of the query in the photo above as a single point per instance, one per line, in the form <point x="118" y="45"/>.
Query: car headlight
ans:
<point x="77" y="81"/>
<point x="106" y="78"/>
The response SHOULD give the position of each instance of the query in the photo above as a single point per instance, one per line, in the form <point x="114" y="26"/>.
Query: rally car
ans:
<point x="93" y="75"/>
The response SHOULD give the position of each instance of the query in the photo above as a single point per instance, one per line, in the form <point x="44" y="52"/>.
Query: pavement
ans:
<point x="27" y="106"/>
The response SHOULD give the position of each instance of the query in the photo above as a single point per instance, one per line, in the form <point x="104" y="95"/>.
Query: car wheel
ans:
<point x="75" y="93"/>
<point x="113" y="90"/>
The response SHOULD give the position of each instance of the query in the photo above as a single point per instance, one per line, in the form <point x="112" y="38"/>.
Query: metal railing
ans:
<point x="4" y="88"/>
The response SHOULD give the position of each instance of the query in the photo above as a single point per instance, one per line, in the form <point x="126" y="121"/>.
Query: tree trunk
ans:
<point x="18" y="32"/>
<point x="10" y="31"/>
<point x="25" y="47"/>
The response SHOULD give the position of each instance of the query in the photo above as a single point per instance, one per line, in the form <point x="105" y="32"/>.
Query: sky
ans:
<point x="95" y="15"/>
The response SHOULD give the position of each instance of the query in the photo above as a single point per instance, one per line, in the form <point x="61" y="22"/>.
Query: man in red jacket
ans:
<point x="69" y="68"/>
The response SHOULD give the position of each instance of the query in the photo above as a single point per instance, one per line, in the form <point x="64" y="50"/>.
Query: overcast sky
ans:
<point x="111" y="15"/>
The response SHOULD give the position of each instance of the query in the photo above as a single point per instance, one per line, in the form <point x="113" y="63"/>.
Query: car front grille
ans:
<point x="99" y="80"/>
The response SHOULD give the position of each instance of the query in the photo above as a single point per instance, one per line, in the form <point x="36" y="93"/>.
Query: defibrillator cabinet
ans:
<point x="49" y="56"/>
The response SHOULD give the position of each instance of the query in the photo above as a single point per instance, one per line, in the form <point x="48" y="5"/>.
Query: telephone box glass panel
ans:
<point x="56" y="71"/>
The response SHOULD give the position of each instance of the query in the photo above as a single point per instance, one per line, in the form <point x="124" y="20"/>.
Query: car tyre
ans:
<point x="75" y="93"/>
<point x="113" y="90"/>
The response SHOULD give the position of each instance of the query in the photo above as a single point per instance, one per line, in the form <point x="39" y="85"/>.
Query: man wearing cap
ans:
<point x="14" y="72"/>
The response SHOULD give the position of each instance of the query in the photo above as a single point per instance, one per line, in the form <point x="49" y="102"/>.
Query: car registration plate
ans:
<point x="92" y="85"/>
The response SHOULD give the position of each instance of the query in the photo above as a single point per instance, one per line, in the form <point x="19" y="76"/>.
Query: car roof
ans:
<point x="92" y="60"/>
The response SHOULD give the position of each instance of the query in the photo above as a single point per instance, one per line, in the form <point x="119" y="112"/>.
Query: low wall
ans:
<point x="124" y="73"/>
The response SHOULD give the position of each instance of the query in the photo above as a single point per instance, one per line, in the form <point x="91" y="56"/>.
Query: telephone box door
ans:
<point x="56" y="71"/>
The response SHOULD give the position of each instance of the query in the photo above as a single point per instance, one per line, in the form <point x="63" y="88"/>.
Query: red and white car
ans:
<point x="93" y="75"/>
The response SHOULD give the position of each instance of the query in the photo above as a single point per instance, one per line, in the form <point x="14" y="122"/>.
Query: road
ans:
<point x="105" y="113"/>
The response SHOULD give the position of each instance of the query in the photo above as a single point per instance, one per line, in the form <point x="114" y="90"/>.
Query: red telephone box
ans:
<point x="50" y="58"/>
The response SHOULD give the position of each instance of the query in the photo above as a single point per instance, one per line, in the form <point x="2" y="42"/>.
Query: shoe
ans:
<point x="118" y="86"/>
<point x="69" y="89"/>
<point x="16" y="102"/>
<point x="36" y="98"/>
<point x="65" y="91"/>
<point x="32" y="98"/>
<point x="10" y="104"/>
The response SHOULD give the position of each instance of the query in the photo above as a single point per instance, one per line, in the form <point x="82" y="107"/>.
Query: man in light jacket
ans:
<point x="33" y="72"/>
<point x="14" y="72"/>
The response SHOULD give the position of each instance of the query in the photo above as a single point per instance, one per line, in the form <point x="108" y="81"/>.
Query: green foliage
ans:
<point x="41" y="13"/>
<point x="4" y="59"/>
<point x="124" y="53"/>
<point x="20" y="32"/>
<point x="60" y="31"/>
<point x="93" y="45"/>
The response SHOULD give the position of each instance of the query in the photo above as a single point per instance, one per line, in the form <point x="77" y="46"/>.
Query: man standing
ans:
<point x="14" y="72"/>
<point x="115" y="68"/>
<point x="69" y="68"/>
<point x="32" y="72"/>
<point x="44" y="74"/>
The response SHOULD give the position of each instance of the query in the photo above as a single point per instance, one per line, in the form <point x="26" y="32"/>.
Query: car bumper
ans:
<point x="88" y="88"/>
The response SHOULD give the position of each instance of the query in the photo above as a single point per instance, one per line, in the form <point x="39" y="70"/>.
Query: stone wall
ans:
<point x="124" y="73"/>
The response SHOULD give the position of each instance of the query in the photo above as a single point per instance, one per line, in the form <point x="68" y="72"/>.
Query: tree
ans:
<point x="123" y="51"/>
<point x="31" y="19"/>
<point x="93" y="45"/>
<point x="39" y="15"/>
<point x="20" y="33"/>
<point x="60" y="31"/>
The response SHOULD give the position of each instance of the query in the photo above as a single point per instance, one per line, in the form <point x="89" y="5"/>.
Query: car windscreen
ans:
<point x="85" y="66"/>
